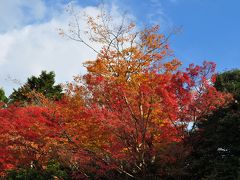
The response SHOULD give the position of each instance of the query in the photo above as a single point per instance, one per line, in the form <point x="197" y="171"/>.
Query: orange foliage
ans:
<point x="123" y="115"/>
<point x="134" y="102"/>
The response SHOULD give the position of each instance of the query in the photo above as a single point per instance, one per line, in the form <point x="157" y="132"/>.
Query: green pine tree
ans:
<point x="43" y="84"/>
<point x="3" y="97"/>
<point x="216" y="143"/>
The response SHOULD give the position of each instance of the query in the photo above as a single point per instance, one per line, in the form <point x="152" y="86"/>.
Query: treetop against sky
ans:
<point x="30" y="42"/>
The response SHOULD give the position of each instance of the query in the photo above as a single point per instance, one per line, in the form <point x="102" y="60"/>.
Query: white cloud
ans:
<point x="30" y="49"/>
<point x="16" y="13"/>
<point x="5" y="44"/>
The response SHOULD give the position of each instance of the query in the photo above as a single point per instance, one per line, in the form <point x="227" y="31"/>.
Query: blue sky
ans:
<point x="210" y="29"/>
<point x="29" y="41"/>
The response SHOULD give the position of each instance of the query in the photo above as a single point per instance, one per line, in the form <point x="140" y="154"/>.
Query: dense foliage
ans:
<point x="216" y="148"/>
<point x="43" y="84"/>
<point x="3" y="97"/>
<point x="129" y="116"/>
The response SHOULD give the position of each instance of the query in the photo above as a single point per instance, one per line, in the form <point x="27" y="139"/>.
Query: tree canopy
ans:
<point x="44" y="84"/>
<point x="3" y="98"/>
<point x="216" y="148"/>
<point x="128" y="117"/>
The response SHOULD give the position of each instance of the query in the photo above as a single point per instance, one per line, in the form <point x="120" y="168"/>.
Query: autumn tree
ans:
<point x="27" y="135"/>
<point x="127" y="117"/>
<point x="134" y="102"/>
